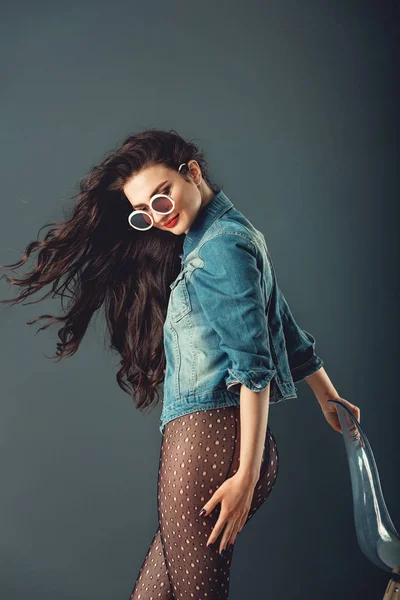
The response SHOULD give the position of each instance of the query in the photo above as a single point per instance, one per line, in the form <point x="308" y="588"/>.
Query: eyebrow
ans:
<point x="159" y="186"/>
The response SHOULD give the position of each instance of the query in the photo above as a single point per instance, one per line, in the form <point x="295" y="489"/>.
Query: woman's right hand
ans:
<point x="235" y="495"/>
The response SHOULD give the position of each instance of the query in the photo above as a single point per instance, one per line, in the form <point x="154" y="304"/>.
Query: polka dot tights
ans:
<point x="198" y="452"/>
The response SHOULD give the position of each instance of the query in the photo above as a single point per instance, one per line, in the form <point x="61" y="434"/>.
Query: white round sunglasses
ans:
<point x="159" y="203"/>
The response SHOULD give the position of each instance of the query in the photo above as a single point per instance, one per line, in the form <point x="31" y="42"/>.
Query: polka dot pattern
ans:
<point x="198" y="452"/>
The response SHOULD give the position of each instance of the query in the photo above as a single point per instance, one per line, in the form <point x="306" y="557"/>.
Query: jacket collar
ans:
<point x="214" y="209"/>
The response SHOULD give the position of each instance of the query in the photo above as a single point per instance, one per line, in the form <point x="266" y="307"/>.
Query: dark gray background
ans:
<point x="294" y="104"/>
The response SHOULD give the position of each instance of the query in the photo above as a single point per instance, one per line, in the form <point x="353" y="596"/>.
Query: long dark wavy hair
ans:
<point x="99" y="259"/>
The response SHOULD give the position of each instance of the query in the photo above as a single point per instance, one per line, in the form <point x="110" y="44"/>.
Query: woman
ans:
<point x="192" y="301"/>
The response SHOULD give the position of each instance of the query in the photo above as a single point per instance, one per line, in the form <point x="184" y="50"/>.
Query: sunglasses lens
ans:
<point x="140" y="220"/>
<point x="162" y="204"/>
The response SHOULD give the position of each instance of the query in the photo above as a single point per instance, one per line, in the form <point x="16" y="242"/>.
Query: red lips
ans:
<point x="172" y="221"/>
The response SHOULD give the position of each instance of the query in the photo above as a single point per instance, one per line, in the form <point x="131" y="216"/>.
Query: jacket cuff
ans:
<point x="308" y="368"/>
<point x="255" y="379"/>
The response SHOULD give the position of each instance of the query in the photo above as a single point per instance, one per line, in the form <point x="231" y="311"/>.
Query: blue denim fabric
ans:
<point x="228" y="322"/>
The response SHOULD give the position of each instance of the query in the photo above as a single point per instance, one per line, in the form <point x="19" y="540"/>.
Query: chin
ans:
<point x="178" y="229"/>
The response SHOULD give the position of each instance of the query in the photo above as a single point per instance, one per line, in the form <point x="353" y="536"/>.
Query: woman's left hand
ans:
<point x="330" y="412"/>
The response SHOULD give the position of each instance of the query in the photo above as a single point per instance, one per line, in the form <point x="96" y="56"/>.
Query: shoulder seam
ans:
<point x="239" y="234"/>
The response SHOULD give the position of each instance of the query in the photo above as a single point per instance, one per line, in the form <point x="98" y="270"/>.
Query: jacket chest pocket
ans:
<point x="179" y="301"/>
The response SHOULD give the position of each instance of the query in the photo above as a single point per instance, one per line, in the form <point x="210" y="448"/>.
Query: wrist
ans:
<point x="323" y="397"/>
<point x="248" y="476"/>
<point x="322" y="386"/>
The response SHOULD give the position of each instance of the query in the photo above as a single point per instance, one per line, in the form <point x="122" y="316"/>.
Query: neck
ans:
<point x="206" y="194"/>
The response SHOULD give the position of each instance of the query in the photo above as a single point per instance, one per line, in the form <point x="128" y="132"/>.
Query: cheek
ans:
<point x="181" y="202"/>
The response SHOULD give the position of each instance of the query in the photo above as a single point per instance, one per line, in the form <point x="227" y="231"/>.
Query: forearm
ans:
<point x="254" y="408"/>
<point x="322" y="386"/>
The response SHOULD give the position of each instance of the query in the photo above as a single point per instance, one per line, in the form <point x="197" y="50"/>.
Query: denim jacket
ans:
<point x="228" y="322"/>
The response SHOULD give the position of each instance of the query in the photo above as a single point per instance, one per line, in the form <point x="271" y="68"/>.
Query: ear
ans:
<point x="194" y="171"/>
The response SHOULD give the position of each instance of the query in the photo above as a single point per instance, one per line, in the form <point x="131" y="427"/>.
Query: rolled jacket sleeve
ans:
<point x="300" y="344"/>
<point x="230" y="291"/>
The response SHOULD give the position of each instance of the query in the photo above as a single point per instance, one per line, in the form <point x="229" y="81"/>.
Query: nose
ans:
<point x="158" y="219"/>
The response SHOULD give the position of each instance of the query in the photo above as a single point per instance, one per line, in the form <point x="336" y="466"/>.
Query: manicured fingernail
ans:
<point x="223" y="553"/>
<point x="230" y="546"/>
<point x="202" y="512"/>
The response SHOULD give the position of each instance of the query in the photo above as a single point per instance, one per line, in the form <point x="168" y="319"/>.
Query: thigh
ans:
<point x="198" y="452"/>
<point x="196" y="457"/>
<point x="152" y="581"/>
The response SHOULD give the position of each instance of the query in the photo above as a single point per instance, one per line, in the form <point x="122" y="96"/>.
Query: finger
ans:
<point x="234" y="532"/>
<point x="210" y="505"/>
<point x="218" y="527"/>
<point x="242" y="521"/>
<point x="227" y="534"/>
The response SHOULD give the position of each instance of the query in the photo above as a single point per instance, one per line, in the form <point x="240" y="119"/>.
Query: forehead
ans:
<point x="140" y="187"/>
